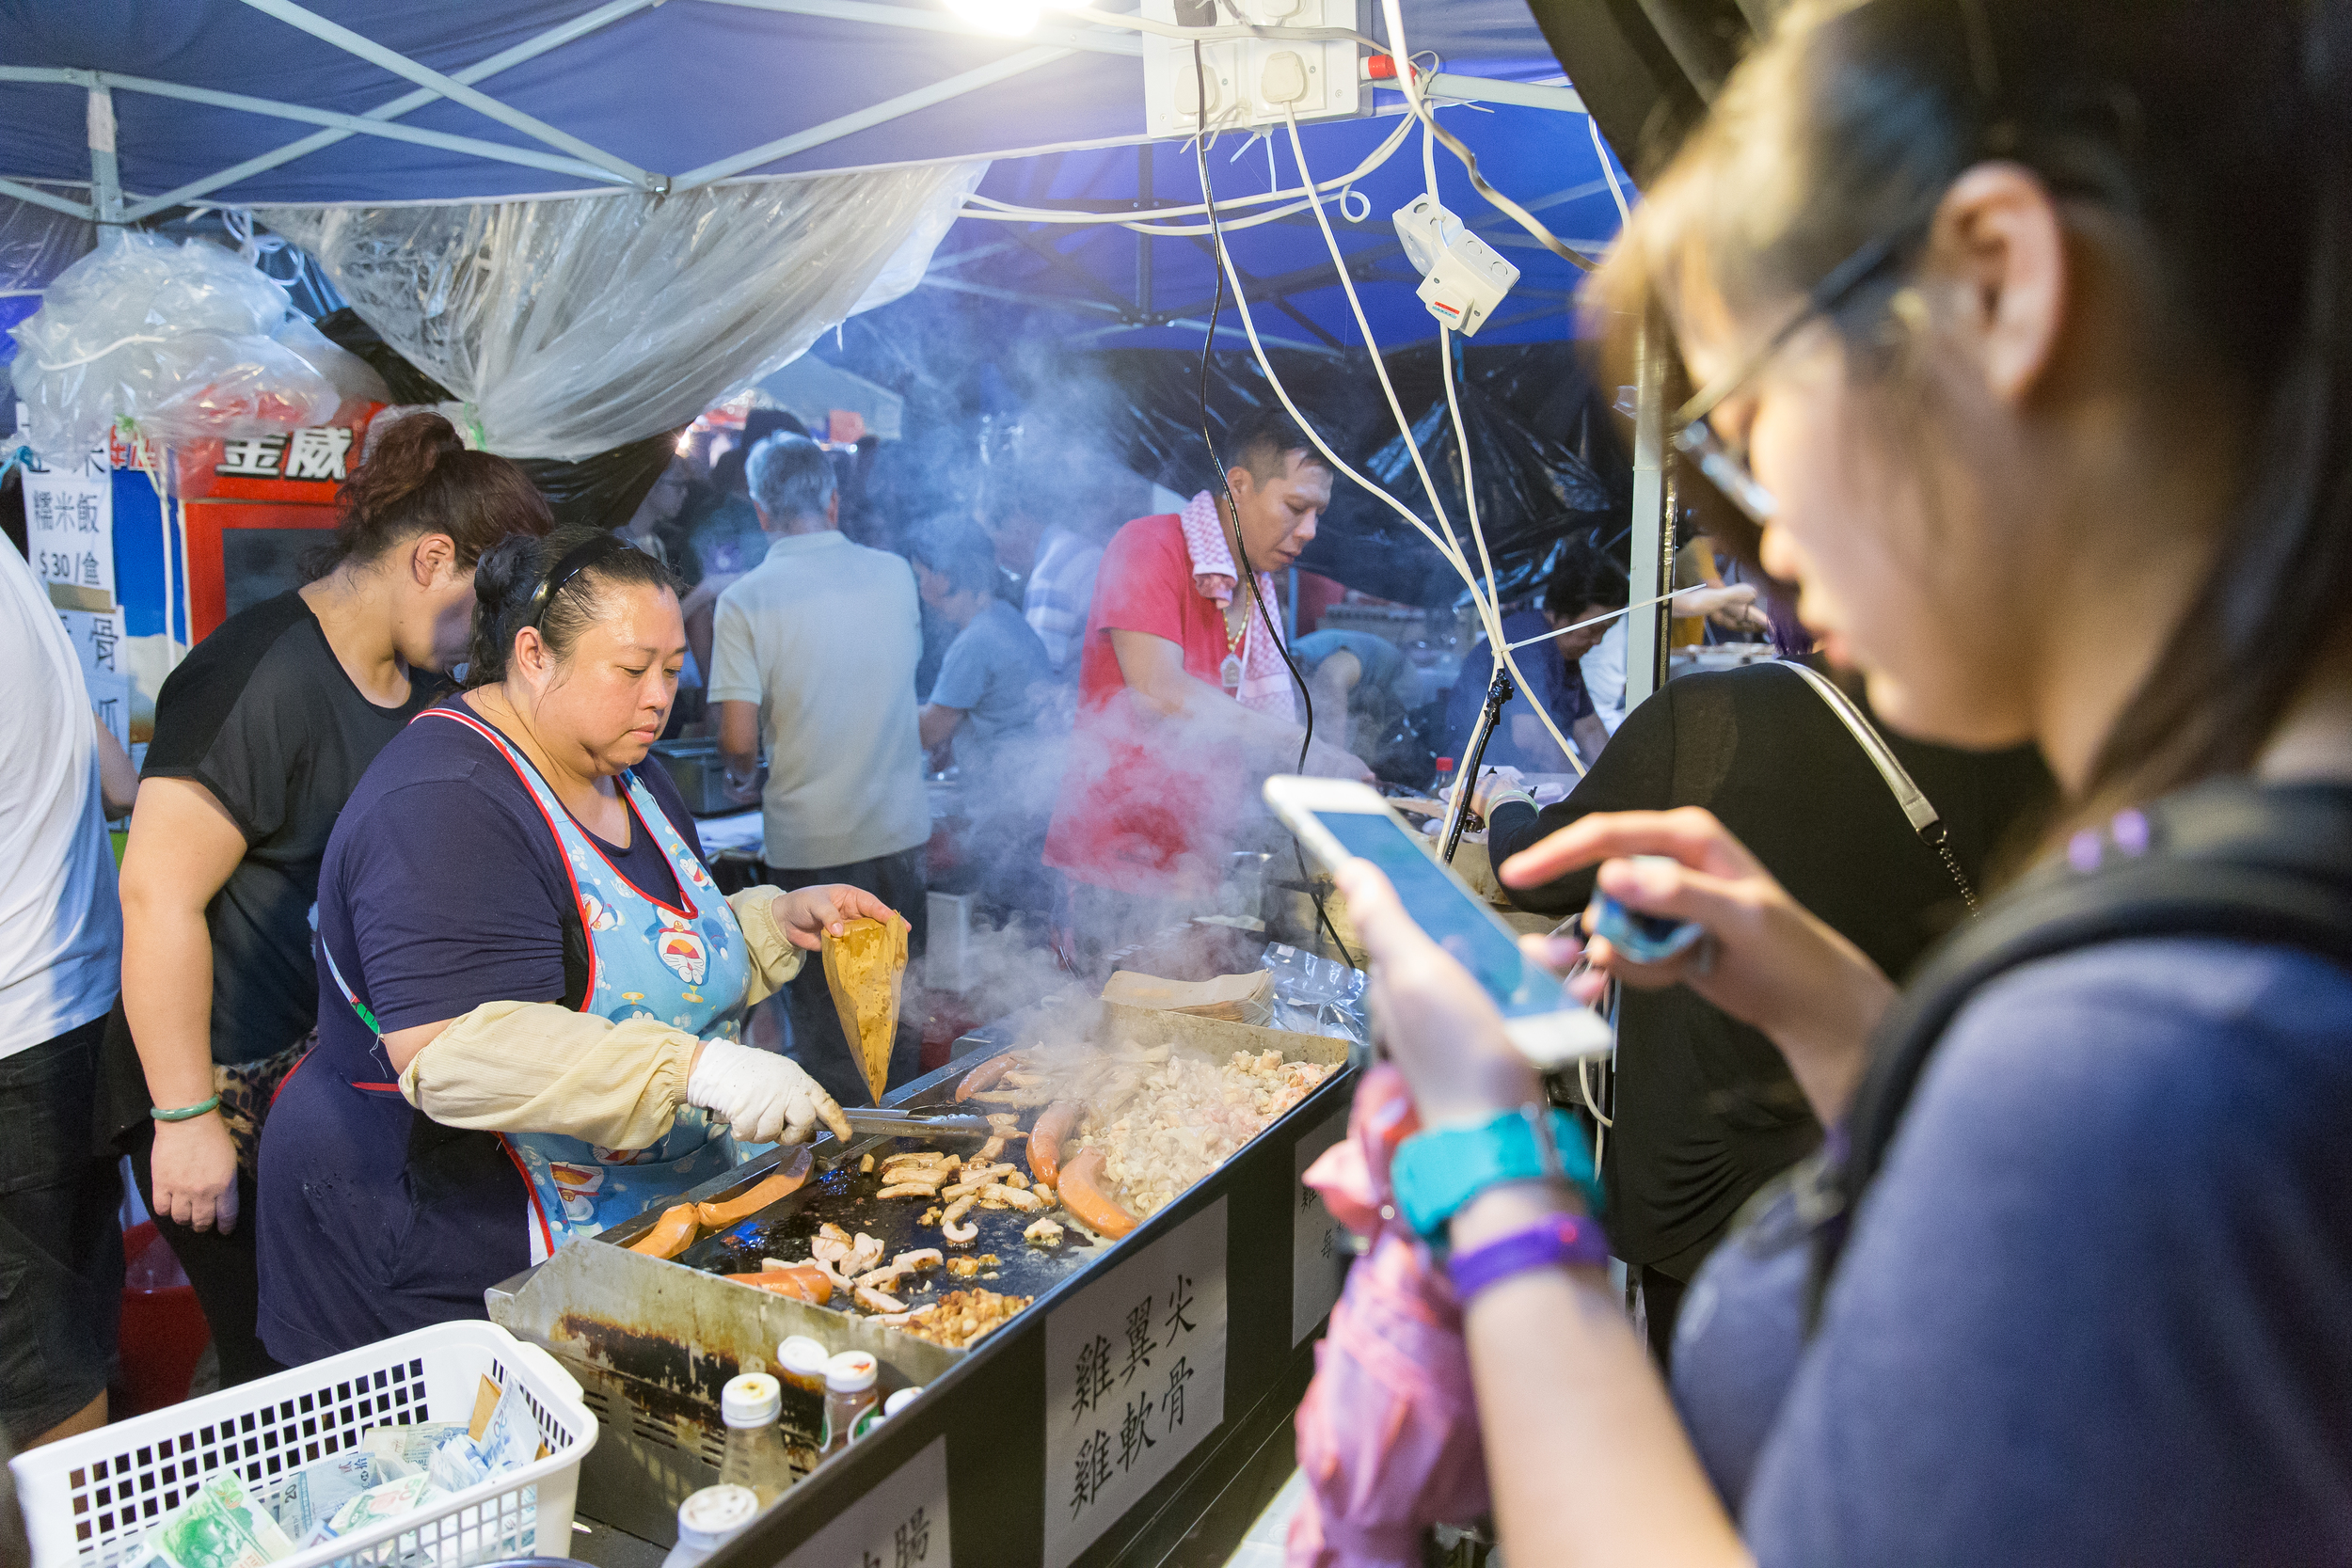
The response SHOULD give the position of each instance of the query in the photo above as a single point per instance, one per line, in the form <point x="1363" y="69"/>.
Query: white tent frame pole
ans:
<point x="271" y="107"/>
<point x="106" y="172"/>
<point x="579" y="27"/>
<point x="457" y="91"/>
<point x="38" y="198"/>
<point x="943" y="22"/>
<point x="878" y="114"/>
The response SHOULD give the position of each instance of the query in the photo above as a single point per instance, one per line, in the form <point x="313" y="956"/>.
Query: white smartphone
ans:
<point x="1340" y="820"/>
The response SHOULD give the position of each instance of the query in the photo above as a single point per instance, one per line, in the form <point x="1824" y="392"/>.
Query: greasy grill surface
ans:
<point x="845" y="1197"/>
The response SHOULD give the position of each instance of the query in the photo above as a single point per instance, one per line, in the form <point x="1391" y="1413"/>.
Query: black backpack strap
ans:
<point x="2231" y="861"/>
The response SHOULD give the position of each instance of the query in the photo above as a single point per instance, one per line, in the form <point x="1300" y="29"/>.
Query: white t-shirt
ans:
<point x="1604" y="674"/>
<point x="824" y="636"/>
<point x="60" y="919"/>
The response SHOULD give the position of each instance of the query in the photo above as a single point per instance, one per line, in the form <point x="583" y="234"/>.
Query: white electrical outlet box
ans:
<point x="1463" y="277"/>
<point x="1253" y="83"/>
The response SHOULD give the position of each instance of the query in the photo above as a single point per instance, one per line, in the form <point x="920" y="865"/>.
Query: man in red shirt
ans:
<point x="1185" y="704"/>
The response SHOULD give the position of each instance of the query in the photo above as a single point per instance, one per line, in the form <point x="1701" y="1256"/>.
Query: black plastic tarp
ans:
<point x="603" y="490"/>
<point x="1542" y="451"/>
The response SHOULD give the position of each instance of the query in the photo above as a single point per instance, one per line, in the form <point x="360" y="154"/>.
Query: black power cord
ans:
<point x="1240" y="545"/>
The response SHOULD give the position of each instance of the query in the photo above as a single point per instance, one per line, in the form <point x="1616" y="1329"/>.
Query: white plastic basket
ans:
<point x="87" y="1501"/>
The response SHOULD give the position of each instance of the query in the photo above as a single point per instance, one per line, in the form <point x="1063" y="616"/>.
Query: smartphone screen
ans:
<point x="1452" y="917"/>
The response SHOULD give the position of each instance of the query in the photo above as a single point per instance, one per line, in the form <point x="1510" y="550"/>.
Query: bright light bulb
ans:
<point x="1011" y="18"/>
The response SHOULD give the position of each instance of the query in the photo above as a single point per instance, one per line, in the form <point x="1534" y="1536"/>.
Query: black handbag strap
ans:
<point x="2230" y="860"/>
<point x="1916" y="808"/>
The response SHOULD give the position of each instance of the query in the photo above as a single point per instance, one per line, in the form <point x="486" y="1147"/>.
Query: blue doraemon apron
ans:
<point x="687" y="965"/>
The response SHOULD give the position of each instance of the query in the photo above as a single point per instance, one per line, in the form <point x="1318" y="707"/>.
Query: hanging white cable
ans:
<point x="1354" y="305"/>
<point x="1488" y="605"/>
<point x="1338" y="463"/>
<point x="1609" y="171"/>
<point x="991" y="207"/>
<point x="1470" y="495"/>
<point x="1600" y="620"/>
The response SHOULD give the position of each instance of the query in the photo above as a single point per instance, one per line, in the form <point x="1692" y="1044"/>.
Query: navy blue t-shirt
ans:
<point x="443" y="887"/>
<point x="2098" y="1305"/>
<point x="1558" y="685"/>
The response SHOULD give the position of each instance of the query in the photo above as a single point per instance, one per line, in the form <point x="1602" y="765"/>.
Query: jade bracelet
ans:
<point x="186" y="1113"/>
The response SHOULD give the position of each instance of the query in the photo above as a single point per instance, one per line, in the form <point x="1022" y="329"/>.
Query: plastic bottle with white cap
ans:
<point x="801" y="1362"/>
<point x="849" y="1393"/>
<point x="875" y="1414"/>
<point x="755" y="1454"/>
<point x="708" y="1520"/>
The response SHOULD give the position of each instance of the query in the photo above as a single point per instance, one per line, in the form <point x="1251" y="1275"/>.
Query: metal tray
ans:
<point x="652" y="1340"/>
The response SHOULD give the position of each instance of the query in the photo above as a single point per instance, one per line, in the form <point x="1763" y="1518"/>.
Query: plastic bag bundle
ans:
<point x="187" y="341"/>
<point x="1388" y="1434"/>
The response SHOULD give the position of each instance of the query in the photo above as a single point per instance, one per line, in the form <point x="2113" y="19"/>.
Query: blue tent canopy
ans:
<point x="1106" y="287"/>
<point x="633" y="91"/>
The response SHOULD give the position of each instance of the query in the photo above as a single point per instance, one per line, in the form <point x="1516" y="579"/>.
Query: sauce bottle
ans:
<point x="801" y="1362"/>
<point x="708" y="1520"/>
<point x="849" y="1394"/>
<point x="755" y="1454"/>
<point x="875" y="1414"/>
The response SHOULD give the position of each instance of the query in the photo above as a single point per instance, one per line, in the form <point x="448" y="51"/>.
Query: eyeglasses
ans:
<point x="1725" y="464"/>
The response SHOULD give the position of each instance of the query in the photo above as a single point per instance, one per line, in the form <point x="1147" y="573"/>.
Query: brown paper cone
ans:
<point x="866" y="968"/>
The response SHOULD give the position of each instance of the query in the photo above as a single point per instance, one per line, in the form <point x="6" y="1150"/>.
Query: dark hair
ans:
<point x="790" y="477"/>
<point x="577" y="564"/>
<point x="760" y="423"/>
<point x="2213" y="137"/>
<point x="727" y="475"/>
<point x="958" y="552"/>
<point x="1583" y="575"/>
<point x="418" y="478"/>
<point x="1263" y="443"/>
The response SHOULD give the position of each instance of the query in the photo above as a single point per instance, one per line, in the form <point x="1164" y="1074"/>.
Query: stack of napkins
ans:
<point x="393" y="1471"/>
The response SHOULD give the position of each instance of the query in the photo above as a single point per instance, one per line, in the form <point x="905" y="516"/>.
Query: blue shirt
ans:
<point x="1554" y="682"/>
<point x="992" y="671"/>
<point x="2098" y="1306"/>
<point x="1383" y="662"/>
<point x="443" y="888"/>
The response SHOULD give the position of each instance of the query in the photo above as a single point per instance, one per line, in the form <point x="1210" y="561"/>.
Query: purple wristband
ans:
<point x="1573" y="1240"/>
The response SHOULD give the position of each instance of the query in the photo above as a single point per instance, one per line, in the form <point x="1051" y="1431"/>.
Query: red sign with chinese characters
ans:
<point x="303" y="466"/>
<point x="264" y="483"/>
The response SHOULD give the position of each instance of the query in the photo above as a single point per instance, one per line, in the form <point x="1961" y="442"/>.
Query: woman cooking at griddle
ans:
<point x="530" y="990"/>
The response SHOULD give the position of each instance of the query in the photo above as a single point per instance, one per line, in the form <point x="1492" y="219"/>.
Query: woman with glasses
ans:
<point x="2026" y="333"/>
<point x="530" y="992"/>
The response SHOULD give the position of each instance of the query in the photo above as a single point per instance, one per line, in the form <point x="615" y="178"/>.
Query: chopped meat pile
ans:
<point x="959" y="1319"/>
<point x="1188" y="1115"/>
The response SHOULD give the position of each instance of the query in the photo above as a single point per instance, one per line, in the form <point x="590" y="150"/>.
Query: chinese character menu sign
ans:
<point x="1134" y="1378"/>
<point x="901" y="1523"/>
<point x="1319" y="1249"/>
<point x="70" y="522"/>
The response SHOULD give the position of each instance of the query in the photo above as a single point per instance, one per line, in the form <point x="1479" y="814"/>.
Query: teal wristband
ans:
<point x="1435" y="1174"/>
<point x="186" y="1113"/>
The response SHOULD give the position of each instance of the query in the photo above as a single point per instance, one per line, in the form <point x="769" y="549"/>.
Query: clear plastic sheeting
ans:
<point x="904" y="271"/>
<point x="185" y="340"/>
<point x="36" y="245"/>
<point x="1314" y="995"/>
<point x="575" y="326"/>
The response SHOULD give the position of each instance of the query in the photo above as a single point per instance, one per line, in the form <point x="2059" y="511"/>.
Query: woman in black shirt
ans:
<point x="260" y="736"/>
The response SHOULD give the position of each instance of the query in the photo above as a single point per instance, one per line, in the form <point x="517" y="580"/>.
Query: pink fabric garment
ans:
<point x="1265" y="681"/>
<point x="1388" y="1434"/>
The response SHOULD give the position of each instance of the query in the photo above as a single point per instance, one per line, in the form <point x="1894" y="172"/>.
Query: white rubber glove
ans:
<point x="764" y="1096"/>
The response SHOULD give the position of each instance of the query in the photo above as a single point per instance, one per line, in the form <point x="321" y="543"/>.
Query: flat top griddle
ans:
<point x="845" y="1196"/>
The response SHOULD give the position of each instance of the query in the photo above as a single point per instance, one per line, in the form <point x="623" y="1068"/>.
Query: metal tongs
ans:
<point x="914" y="1121"/>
